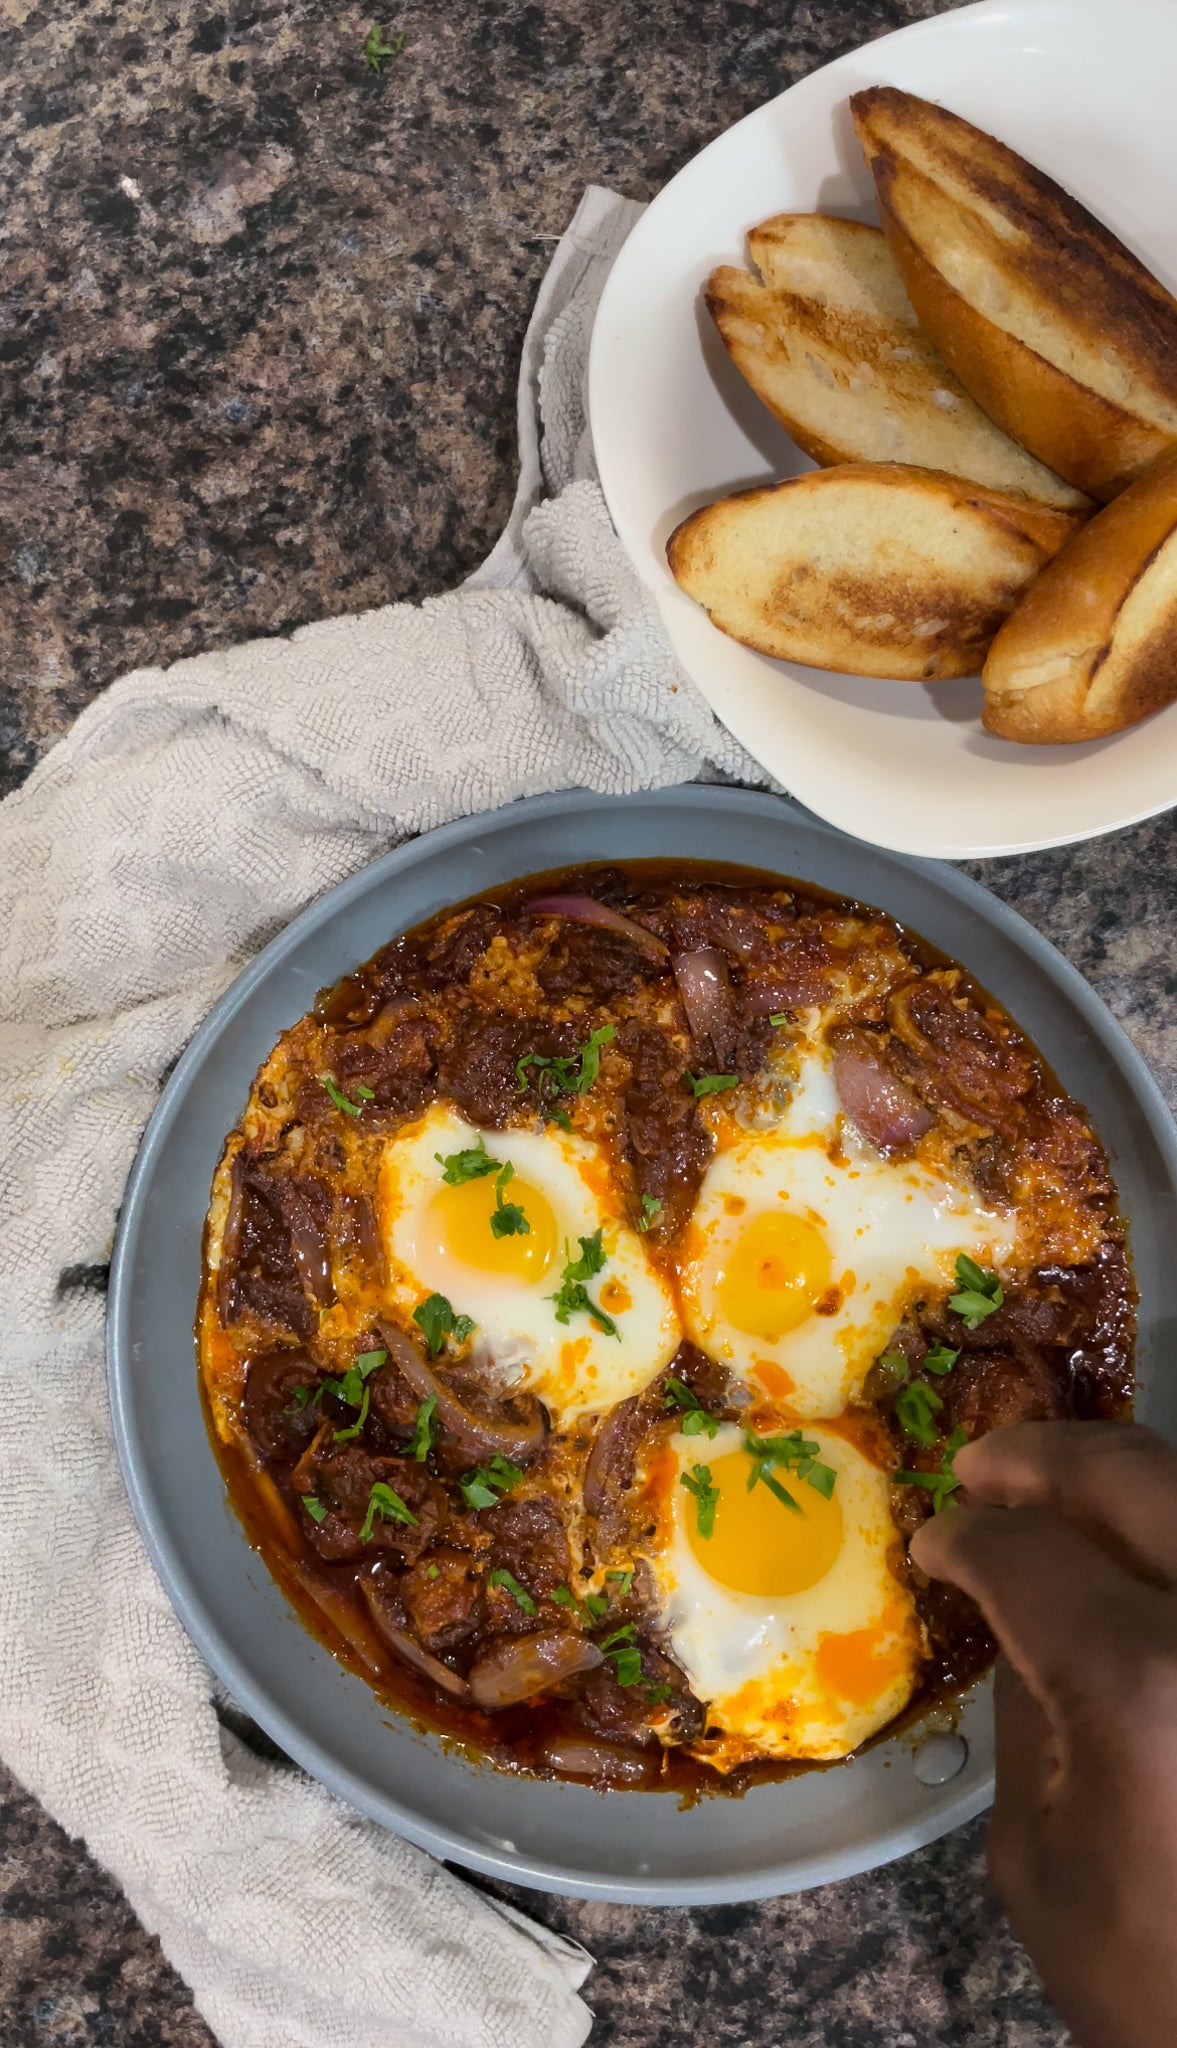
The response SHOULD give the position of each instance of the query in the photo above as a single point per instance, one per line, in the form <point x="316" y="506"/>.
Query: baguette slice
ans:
<point x="1093" y="645"/>
<point x="1056" y="329"/>
<point x="875" y="569"/>
<point x="827" y="338"/>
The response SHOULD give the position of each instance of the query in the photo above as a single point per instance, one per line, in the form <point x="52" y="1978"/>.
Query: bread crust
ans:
<point x="966" y="217"/>
<point x="867" y="568"/>
<point x="1092" y="647"/>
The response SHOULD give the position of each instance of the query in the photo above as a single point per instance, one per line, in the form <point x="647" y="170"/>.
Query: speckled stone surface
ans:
<point x="260" y="317"/>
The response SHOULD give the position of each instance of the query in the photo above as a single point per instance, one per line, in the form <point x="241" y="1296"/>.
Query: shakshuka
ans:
<point x="598" y="1287"/>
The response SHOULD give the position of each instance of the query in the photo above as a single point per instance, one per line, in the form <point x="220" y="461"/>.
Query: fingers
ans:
<point x="1115" y="1479"/>
<point x="1069" y="1618"/>
<point x="1029" y="1777"/>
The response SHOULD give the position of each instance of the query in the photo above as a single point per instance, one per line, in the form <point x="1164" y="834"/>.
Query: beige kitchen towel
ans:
<point x="185" y="818"/>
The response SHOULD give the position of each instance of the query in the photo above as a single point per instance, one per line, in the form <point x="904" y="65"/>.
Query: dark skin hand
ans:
<point x="1067" y="1540"/>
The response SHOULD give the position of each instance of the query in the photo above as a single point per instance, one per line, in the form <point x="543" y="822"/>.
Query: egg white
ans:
<point x="757" y="1663"/>
<point x="892" y="1229"/>
<point x="574" y="1367"/>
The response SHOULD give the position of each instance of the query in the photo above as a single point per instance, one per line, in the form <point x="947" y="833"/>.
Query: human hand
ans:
<point x="1067" y="1540"/>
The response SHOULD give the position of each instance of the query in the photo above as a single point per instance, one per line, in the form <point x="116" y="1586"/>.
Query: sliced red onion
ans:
<point x="705" y="988"/>
<point x="519" y="1667"/>
<point x="584" y="1759"/>
<point x="586" y="910"/>
<point x="881" y="1106"/>
<point x="478" y="1434"/>
<point x="406" y="1646"/>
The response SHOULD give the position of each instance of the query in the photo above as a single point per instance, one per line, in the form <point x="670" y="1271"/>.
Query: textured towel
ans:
<point x="187" y="816"/>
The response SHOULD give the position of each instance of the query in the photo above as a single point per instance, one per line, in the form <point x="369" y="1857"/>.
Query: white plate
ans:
<point x="1084" y="89"/>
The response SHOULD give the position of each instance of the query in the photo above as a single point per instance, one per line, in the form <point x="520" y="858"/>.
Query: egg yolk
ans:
<point x="775" y="1275"/>
<point x="758" y="1545"/>
<point x="458" y="1223"/>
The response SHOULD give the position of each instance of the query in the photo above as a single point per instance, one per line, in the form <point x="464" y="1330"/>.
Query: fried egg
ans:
<point x="440" y="1238"/>
<point x="789" y="1622"/>
<point x="805" y="1248"/>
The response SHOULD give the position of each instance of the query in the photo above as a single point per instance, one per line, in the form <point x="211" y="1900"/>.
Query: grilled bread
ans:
<point x="1056" y="329"/>
<point x="876" y="569"/>
<point x="826" y="336"/>
<point x="1093" y="645"/>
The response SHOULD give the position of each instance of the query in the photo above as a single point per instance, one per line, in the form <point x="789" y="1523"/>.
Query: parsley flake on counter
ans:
<point x="484" y="1487"/>
<point x="712" y="1084"/>
<point x="423" y="1429"/>
<point x="917" y="1406"/>
<point x="338" y="1097"/>
<point x="980" y="1292"/>
<point x="386" y="1503"/>
<point x="651" y="1210"/>
<point x="696" y="1421"/>
<point x="472" y="1164"/>
<point x="314" y="1508"/>
<point x="507" y="1218"/>
<point x="377" y="51"/>
<point x="574" y="1297"/>
<point x="942" y="1483"/>
<point x="435" y="1316"/>
<point x="699" y="1482"/>
<point x="519" y="1594"/>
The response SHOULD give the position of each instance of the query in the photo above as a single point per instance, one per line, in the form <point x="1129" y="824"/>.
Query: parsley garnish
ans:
<point x="423" y="1429"/>
<point x="507" y="1218"/>
<point x="712" y="1084"/>
<point x="590" y="1058"/>
<point x="980" y="1293"/>
<point x="778" y="1018"/>
<point x="590" y="1609"/>
<point x="472" y="1164"/>
<point x="341" y="1436"/>
<point x="351" y="1388"/>
<point x="314" y="1508"/>
<point x="657" y="1693"/>
<point x="917" y="1405"/>
<point x="389" y="1506"/>
<point x="943" y="1483"/>
<point x="519" y="1594"/>
<point x="696" y="1421"/>
<point x="435" y="1316"/>
<point x="651" y="1210"/>
<point x="433" y="1571"/>
<point x="376" y="50"/>
<point x="574" y="1297"/>
<point x="797" y="1454"/>
<point x="301" y="1396"/>
<point x="940" y="1359"/>
<point x="700" y="1483"/>
<point x="624" y="1655"/>
<point x="563" y="1073"/>
<point x="367" y="1361"/>
<point x="338" y="1097"/>
<point x="483" y="1487"/>
<point x="624" y="1582"/>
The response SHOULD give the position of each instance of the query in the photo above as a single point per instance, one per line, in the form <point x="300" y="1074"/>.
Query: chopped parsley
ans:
<point x="651" y="1210"/>
<point x="624" y="1581"/>
<point x="301" y="1396"/>
<point x="698" y="1481"/>
<point x="351" y="1389"/>
<point x="980" y="1293"/>
<point x="435" y="1316"/>
<point x="917" y="1406"/>
<point x="483" y="1487"/>
<point x="657" y="1693"/>
<point x="696" y="1421"/>
<point x="778" y="1018"/>
<point x="423" y="1429"/>
<point x="519" y="1594"/>
<point x="894" y="1368"/>
<point x="341" y="1100"/>
<point x="472" y="1164"/>
<point x="940" y="1359"/>
<point x="712" y="1084"/>
<point x="389" y="1506"/>
<point x="590" y="1608"/>
<point x="377" y="51"/>
<point x="797" y="1454"/>
<point x="627" y="1665"/>
<point x="942" y="1483"/>
<point x="563" y="1074"/>
<point x="433" y="1571"/>
<point x="314" y="1508"/>
<point x="574" y="1297"/>
<point x="341" y="1436"/>
<point x="367" y="1361"/>
<point x="507" y="1218"/>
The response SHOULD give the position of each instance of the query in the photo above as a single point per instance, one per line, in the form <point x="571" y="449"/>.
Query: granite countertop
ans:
<point x="262" y="313"/>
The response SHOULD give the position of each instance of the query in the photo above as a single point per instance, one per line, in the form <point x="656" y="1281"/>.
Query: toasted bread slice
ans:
<point x="1056" y="329"/>
<point x="872" y="568"/>
<point x="1093" y="645"/>
<point x="827" y="337"/>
